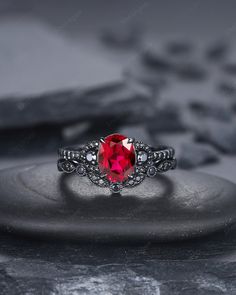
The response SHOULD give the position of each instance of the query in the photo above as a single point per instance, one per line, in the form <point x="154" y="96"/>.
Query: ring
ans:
<point x="116" y="161"/>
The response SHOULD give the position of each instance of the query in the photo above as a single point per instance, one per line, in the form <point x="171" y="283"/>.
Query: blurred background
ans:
<point x="160" y="71"/>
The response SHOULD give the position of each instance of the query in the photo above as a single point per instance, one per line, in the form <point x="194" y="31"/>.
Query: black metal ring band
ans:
<point x="73" y="153"/>
<point x="84" y="161"/>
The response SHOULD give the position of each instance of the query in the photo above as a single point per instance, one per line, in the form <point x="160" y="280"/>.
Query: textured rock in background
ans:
<point x="179" y="47"/>
<point x="156" y="60"/>
<point x="191" y="71"/>
<point x="217" y="51"/>
<point x="39" y="125"/>
<point x="167" y="118"/>
<point x="36" y="58"/>
<point x="222" y="135"/>
<point x="227" y="87"/>
<point x="138" y="132"/>
<point x="185" y="69"/>
<point x="75" y="131"/>
<point x="230" y="68"/>
<point x="229" y="65"/>
<point x="74" y="105"/>
<point x="122" y="37"/>
<point x="55" y="122"/>
<point x="143" y="74"/>
<point x="218" y="110"/>
<point x="193" y="155"/>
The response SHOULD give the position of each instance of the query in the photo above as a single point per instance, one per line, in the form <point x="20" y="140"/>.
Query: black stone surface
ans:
<point x="204" y="266"/>
<point x="38" y="201"/>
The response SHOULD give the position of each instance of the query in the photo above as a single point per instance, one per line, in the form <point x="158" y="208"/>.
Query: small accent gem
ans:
<point x="152" y="171"/>
<point x="80" y="170"/>
<point x="142" y="156"/>
<point x="90" y="157"/>
<point x="116" y="187"/>
<point x="67" y="166"/>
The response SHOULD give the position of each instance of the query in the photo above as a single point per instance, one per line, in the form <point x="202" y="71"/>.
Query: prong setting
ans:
<point x="131" y="140"/>
<point x="116" y="187"/>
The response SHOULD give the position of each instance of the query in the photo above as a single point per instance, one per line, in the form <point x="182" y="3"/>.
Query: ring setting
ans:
<point x="116" y="161"/>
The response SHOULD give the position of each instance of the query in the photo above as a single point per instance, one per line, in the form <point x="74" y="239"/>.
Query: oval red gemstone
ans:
<point x="116" y="157"/>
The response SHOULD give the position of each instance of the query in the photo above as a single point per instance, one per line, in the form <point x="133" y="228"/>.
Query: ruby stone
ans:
<point x="116" y="157"/>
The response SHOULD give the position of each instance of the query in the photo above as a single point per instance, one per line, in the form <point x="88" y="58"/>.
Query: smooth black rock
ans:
<point x="38" y="201"/>
<point x="195" y="154"/>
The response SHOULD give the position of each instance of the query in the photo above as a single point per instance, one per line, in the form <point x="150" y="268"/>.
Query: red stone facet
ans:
<point x="116" y="157"/>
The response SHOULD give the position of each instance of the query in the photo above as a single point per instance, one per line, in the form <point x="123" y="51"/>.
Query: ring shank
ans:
<point x="72" y="153"/>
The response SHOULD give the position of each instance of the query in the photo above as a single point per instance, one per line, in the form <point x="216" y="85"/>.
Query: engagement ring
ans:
<point x="116" y="161"/>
